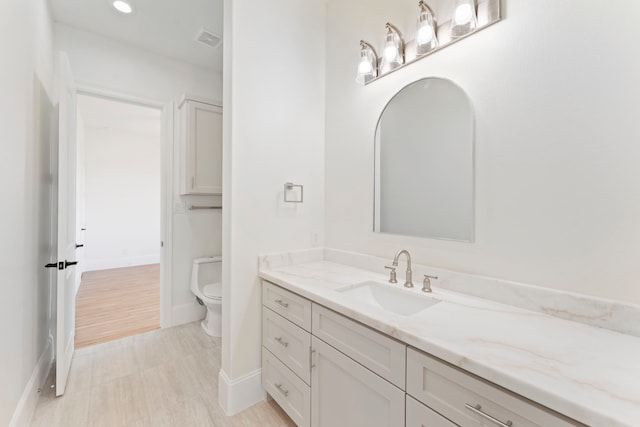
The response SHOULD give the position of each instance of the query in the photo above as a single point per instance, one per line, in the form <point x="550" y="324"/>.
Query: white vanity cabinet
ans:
<point x="200" y="137"/>
<point x="327" y="370"/>
<point x="344" y="375"/>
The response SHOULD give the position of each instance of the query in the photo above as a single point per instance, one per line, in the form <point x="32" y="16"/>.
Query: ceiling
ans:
<point x="165" y="27"/>
<point x="107" y="115"/>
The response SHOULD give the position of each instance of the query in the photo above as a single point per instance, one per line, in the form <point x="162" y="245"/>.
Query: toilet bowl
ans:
<point x="206" y="285"/>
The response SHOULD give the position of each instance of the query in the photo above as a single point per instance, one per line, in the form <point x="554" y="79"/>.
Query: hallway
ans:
<point x="167" y="377"/>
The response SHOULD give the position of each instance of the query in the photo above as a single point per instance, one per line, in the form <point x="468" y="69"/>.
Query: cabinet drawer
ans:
<point x="291" y="393"/>
<point x="288" y="342"/>
<point x="469" y="401"/>
<point x="379" y="353"/>
<point x="419" y="415"/>
<point x="289" y="305"/>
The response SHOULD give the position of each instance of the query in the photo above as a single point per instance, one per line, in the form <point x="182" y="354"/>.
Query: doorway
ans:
<point x="119" y="200"/>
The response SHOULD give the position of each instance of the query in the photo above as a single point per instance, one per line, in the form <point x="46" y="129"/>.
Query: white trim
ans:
<point x="87" y="89"/>
<point x="237" y="395"/>
<point x="166" y="216"/>
<point x="166" y="210"/>
<point x="130" y="261"/>
<point x="29" y="399"/>
<point x="198" y="98"/>
<point x="187" y="313"/>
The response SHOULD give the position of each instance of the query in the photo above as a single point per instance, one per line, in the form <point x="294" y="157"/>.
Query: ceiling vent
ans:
<point x="208" y="38"/>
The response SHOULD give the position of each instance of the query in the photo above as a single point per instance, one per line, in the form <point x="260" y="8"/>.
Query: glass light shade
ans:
<point x="368" y="65"/>
<point x="391" y="51"/>
<point x="426" y="39"/>
<point x="393" y="55"/>
<point x="464" y="18"/>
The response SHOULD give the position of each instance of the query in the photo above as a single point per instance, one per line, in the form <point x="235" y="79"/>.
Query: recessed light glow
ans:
<point x="122" y="6"/>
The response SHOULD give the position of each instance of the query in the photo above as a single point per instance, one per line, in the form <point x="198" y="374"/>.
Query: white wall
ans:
<point x="274" y="133"/>
<point x="122" y="198"/>
<point x="557" y="100"/>
<point x="26" y="85"/>
<point x="103" y="63"/>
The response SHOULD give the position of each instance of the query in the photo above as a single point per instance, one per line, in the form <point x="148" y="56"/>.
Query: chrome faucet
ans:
<point x="407" y="281"/>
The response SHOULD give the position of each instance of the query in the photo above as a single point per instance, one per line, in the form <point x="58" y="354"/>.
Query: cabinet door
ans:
<point x="204" y="148"/>
<point x="344" y="393"/>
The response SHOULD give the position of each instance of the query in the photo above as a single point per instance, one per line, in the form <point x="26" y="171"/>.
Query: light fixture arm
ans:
<point x="389" y="26"/>
<point x="424" y="7"/>
<point x="365" y="45"/>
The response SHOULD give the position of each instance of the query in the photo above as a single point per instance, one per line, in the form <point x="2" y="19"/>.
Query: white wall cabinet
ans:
<point x="200" y="135"/>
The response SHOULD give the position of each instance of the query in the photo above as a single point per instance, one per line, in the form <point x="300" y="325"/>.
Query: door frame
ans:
<point x="166" y="187"/>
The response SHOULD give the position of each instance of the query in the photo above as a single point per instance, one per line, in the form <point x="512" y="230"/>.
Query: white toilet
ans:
<point x="206" y="285"/>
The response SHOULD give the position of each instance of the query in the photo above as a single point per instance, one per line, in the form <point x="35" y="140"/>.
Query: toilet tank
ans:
<point x="209" y="270"/>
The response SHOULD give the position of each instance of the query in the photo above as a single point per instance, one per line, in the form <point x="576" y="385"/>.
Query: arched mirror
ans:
<point x="424" y="163"/>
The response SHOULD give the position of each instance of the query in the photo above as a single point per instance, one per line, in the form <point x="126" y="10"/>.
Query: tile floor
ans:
<point x="167" y="377"/>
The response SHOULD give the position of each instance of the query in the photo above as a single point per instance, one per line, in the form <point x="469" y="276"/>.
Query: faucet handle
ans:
<point x="392" y="276"/>
<point x="426" y="283"/>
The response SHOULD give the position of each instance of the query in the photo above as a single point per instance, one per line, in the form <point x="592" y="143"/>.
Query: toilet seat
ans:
<point x="213" y="291"/>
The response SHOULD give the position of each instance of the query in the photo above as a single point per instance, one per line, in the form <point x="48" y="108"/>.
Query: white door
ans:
<point x="66" y="305"/>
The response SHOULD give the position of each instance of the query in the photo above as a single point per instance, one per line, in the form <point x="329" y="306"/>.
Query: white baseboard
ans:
<point x="131" y="261"/>
<point x="237" y="395"/>
<point x="187" y="313"/>
<point x="29" y="399"/>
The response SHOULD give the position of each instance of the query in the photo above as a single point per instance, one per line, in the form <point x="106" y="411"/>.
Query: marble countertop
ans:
<point x="587" y="373"/>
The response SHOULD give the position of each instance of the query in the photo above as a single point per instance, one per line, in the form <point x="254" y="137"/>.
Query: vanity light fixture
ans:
<point x="393" y="55"/>
<point x="468" y="17"/>
<point x="464" y="19"/>
<point x="122" y="6"/>
<point x="426" y="38"/>
<point x="368" y="65"/>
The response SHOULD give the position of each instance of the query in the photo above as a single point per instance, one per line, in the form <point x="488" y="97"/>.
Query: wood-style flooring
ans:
<point x="117" y="303"/>
<point x="163" y="378"/>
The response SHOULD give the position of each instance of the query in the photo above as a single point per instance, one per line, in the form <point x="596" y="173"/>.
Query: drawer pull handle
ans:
<point x="282" y="342"/>
<point x="478" y="410"/>
<point x="282" y="390"/>
<point x="282" y="303"/>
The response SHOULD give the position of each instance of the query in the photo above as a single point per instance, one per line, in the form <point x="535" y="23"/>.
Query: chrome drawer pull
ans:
<point x="282" y="303"/>
<point x="478" y="410"/>
<point x="282" y="342"/>
<point x="282" y="390"/>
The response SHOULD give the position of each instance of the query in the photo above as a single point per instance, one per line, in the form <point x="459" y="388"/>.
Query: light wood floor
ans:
<point x="117" y="303"/>
<point x="163" y="378"/>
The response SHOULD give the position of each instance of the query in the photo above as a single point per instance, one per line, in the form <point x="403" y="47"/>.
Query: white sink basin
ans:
<point x="393" y="299"/>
